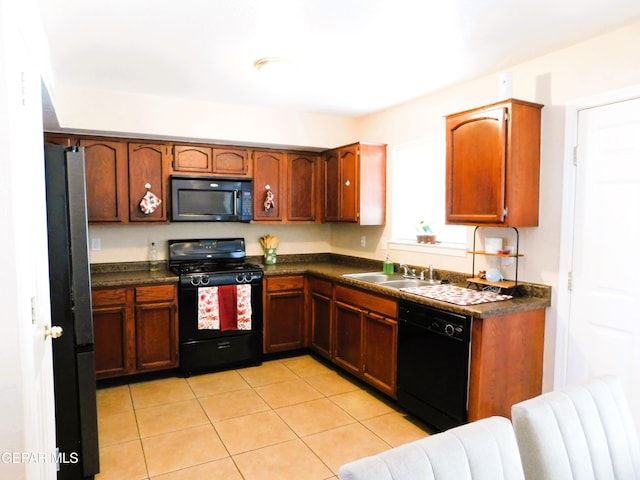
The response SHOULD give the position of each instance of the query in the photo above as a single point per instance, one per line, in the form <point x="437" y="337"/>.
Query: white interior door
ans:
<point x="27" y="425"/>
<point x="604" y="320"/>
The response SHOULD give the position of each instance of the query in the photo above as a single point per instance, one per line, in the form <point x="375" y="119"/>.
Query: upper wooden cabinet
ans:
<point x="355" y="184"/>
<point x="231" y="161"/>
<point x="211" y="160"/>
<point x="149" y="164"/>
<point x="346" y="184"/>
<point x="493" y="165"/>
<point x="192" y="159"/>
<point x="293" y="180"/>
<point x="268" y="177"/>
<point x="303" y="187"/>
<point x="106" y="177"/>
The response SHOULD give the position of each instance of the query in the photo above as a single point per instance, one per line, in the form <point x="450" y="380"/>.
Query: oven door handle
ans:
<point x="223" y="345"/>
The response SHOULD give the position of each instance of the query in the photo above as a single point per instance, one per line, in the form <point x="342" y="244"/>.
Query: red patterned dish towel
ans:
<point x="227" y="307"/>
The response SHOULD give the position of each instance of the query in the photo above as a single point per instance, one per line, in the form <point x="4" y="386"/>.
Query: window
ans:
<point x="418" y="193"/>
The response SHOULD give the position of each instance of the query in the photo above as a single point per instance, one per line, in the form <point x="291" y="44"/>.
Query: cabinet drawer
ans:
<point x="366" y="301"/>
<point x="323" y="287"/>
<point x="154" y="293"/>
<point x="108" y="296"/>
<point x="276" y="284"/>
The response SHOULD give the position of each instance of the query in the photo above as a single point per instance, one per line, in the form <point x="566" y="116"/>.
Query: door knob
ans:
<point x="53" y="332"/>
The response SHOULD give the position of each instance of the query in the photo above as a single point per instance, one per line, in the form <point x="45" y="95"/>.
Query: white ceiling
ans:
<point x="348" y="57"/>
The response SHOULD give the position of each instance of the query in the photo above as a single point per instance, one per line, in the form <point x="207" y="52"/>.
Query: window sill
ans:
<point x="449" y="249"/>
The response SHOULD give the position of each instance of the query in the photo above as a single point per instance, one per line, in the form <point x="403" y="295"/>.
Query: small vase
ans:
<point x="269" y="256"/>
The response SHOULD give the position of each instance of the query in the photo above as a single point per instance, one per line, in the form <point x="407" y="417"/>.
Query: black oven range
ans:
<point x="219" y="304"/>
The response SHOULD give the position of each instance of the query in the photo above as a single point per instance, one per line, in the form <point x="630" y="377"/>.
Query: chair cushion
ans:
<point x="580" y="432"/>
<point x="482" y="450"/>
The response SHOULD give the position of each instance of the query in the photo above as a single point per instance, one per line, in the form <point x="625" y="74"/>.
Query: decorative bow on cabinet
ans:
<point x="269" y="200"/>
<point x="150" y="202"/>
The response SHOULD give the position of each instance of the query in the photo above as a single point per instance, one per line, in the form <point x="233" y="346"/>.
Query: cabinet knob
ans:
<point x="347" y="183"/>
<point x="53" y="332"/>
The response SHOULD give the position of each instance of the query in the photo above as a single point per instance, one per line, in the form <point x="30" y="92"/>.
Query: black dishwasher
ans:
<point x="433" y="364"/>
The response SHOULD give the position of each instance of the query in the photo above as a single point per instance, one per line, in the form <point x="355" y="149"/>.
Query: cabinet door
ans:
<point x="332" y="186"/>
<point x="147" y="166"/>
<point x="112" y="332"/>
<point x="348" y="341"/>
<point x="110" y="341"/>
<point x="231" y="161"/>
<point x="380" y="352"/>
<point x="320" y="316"/>
<point x="284" y="314"/>
<point x="156" y="336"/>
<point x="268" y="176"/>
<point x="106" y="177"/>
<point x="476" y="160"/>
<point x="192" y="159"/>
<point x="349" y="184"/>
<point x="302" y="191"/>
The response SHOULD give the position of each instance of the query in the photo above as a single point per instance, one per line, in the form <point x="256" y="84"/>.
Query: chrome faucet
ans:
<point x="408" y="271"/>
<point x="430" y="271"/>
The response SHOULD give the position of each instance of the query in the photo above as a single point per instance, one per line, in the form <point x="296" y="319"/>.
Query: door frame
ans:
<point x="572" y="110"/>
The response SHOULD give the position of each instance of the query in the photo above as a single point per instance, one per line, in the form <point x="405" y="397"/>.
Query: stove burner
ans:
<point x="197" y="262"/>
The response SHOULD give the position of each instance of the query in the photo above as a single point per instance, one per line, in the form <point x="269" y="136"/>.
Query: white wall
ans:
<point x="149" y="116"/>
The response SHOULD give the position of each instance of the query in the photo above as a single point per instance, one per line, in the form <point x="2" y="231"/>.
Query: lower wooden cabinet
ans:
<point x="358" y="331"/>
<point x="320" y="315"/>
<point x="135" y="329"/>
<point x="379" y="352"/>
<point x="506" y="362"/>
<point x="366" y="336"/>
<point x="284" y="319"/>
<point x="113" y="332"/>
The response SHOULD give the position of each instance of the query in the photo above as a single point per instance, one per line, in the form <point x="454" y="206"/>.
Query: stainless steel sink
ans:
<point x="373" y="277"/>
<point x="406" y="282"/>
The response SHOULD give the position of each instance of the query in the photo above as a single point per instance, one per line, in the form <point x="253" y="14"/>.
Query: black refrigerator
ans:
<point x="70" y="286"/>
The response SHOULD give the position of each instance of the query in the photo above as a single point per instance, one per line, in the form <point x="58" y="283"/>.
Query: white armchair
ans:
<point x="583" y="432"/>
<point x="482" y="450"/>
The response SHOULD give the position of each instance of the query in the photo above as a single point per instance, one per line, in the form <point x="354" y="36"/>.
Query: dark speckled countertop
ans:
<point x="129" y="273"/>
<point x="332" y="267"/>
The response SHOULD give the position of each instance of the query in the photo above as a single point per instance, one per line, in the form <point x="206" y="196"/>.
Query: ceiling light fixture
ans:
<point x="271" y="64"/>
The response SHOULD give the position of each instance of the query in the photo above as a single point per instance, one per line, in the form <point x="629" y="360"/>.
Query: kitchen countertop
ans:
<point x="129" y="273"/>
<point x="332" y="268"/>
<point x="334" y="271"/>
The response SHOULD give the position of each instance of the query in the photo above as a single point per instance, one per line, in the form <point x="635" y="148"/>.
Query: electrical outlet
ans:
<point x="363" y="241"/>
<point x="384" y="244"/>
<point x="95" y="243"/>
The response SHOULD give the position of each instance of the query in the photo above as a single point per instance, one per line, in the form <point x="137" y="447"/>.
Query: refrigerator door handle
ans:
<point x="79" y="240"/>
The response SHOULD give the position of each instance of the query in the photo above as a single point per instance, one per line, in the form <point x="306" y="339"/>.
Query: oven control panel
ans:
<point x="217" y="279"/>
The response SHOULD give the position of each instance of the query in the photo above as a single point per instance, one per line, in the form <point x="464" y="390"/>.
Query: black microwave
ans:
<point x="211" y="199"/>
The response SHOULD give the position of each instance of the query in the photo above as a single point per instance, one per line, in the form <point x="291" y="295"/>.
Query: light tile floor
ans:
<point x="292" y="418"/>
